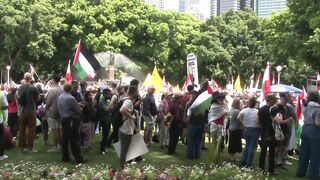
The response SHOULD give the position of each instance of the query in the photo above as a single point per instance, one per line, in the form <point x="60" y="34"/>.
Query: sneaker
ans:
<point x="53" y="149"/>
<point x="103" y="152"/>
<point x="287" y="163"/>
<point x="3" y="157"/>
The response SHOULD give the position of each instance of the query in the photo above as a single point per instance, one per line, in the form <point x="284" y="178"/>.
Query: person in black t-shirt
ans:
<point x="267" y="135"/>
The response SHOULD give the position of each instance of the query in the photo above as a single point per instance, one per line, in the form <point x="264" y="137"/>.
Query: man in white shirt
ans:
<point x="128" y="126"/>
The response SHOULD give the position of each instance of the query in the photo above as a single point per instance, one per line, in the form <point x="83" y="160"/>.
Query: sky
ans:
<point x="204" y="6"/>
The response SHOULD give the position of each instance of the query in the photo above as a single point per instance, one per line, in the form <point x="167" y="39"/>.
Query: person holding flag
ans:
<point x="216" y="116"/>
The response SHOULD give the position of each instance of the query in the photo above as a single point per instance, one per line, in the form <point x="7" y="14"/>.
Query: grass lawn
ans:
<point x="157" y="157"/>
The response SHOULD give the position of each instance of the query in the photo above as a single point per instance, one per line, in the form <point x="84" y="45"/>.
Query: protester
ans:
<point x="195" y="130"/>
<point x="28" y="95"/>
<point x="282" y="145"/>
<point x="116" y="98"/>
<point x="127" y="129"/>
<point x="83" y="89"/>
<point x="3" y="108"/>
<point x="235" y="130"/>
<point x="292" y="115"/>
<point x="52" y="113"/>
<point x="13" y="119"/>
<point x="70" y="112"/>
<point x="175" y="127"/>
<point x="74" y="92"/>
<point x="87" y="121"/>
<point x="149" y="111"/>
<point x="249" y="119"/>
<point x="310" y="139"/>
<point x="163" y="109"/>
<point x="186" y="98"/>
<point x="216" y="116"/>
<point x="104" y="109"/>
<point x="268" y="140"/>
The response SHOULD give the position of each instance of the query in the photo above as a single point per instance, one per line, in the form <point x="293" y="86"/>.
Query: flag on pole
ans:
<point x="33" y="72"/>
<point x="85" y="63"/>
<point x="251" y="81"/>
<point x="169" y="87"/>
<point x="187" y="82"/>
<point x="299" y="104"/>
<point x="202" y="102"/>
<point x="266" y="88"/>
<point x="237" y="84"/>
<point x="164" y="82"/>
<point x="273" y="79"/>
<point x="148" y="81"/>
<point x="216" y="86"/>
<point x="157" y="81"/>
<point x="258" y="81"/>
<point x="68" y="73"/>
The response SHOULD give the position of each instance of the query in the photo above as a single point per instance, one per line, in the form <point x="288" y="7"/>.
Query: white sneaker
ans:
<point x="287" y="163"/>
<point x="3" y="157"/>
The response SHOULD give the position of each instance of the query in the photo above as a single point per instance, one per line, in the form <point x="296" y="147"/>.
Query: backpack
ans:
<point x="22" y="99"/>
<point x="116" y="115"/>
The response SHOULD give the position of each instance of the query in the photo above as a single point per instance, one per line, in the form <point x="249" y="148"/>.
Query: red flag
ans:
<point x="210" y="90"/>
<point x="68" y="73"/>
<point x="186" y="83"/>
<point x="299" y="104"/>
<point x="266" y="81"/>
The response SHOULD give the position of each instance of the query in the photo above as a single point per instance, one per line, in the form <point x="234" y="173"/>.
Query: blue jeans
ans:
<point x="309" y="150"/>
<point x="251" y="136"/>
<point x="194" y="140"/>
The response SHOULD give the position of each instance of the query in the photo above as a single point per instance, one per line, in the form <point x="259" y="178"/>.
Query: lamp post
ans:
<point x="8" y="69"/>
<point x="279" y="69"/>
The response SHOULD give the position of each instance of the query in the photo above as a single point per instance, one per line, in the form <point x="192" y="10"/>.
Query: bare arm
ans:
<point x="124" y="111"/>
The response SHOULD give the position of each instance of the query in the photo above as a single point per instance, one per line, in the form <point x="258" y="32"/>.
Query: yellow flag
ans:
<point x="157" y="81"/>
<point x="237" y="84"/>
<point x="176" y="89"/>
<point x="148" y="81"/>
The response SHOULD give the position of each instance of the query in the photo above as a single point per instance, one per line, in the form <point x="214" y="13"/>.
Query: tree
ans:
<point x="27" y="29"/>
<point x="241" y="37"/>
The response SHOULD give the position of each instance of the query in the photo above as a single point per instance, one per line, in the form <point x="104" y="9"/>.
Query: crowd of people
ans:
<point x="74" y="113"/>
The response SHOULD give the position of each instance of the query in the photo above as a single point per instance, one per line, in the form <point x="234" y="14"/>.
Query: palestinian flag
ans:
<point x="85" y="63"/>
<point x="202" y="102"/>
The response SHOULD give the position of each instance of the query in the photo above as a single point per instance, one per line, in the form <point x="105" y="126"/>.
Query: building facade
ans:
<point x="267" y="7"/>
<point x="192" y="7"/>
<point x="218" y="7"/>
<point x="157" y="3"/>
